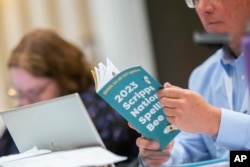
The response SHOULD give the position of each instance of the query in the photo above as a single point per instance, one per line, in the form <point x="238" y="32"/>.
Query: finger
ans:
<point x="170" y="112"/>
<point x="170" y="92"/>
<point x="167" y="85"/>
<point x="154" y="158"/>
<point x="169" y="102"/>
<point x="154" y="155"/>
<point x="144" y="143"/>
<point x="172" y="120"/>
<point x="154" y="162"/>
<point x="131" y="126"/>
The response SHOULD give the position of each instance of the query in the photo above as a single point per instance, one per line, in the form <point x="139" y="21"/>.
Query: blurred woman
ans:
<point x="45" y="66"/>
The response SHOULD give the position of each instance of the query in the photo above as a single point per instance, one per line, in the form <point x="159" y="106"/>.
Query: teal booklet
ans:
<point x="132" y="93"/>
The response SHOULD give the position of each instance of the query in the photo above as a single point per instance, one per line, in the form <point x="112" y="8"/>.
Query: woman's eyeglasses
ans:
<point x="32" y="95"/>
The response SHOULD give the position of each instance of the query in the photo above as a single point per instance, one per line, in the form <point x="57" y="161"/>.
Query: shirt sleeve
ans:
<point x="187" y="148"/>
<point x="234" y="126"/>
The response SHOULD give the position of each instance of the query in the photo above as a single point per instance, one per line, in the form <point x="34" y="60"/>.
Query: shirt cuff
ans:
<point x="233" y="131"/>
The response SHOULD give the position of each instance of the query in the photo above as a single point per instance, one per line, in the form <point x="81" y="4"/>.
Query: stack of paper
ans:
<point x="103" y="73"/>
<point x="91" y="156"/>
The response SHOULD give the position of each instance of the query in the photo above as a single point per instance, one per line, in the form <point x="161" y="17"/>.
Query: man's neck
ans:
<point x="231" y="51"/>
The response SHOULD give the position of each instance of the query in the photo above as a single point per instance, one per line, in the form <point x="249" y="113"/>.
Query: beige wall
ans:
<point x="68" y="17"/>
<point x="117" y="29"/>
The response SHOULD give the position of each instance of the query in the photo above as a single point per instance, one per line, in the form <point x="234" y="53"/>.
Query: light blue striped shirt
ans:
<point x="222" y="81"/>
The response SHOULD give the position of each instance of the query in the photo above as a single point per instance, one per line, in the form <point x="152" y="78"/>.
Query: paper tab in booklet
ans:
<point x="133" y="93"/>
<point x="102" y="74"/>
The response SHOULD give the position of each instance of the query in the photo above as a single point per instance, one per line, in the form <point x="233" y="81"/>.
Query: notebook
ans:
<point x="58" y="124"/>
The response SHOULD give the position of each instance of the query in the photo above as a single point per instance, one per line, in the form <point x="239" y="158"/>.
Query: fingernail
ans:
<point x="167" y="84"/>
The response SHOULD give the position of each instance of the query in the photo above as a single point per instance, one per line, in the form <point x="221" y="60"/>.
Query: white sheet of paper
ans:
<point x="91" y="156"/>
<point x="30" y="153"/>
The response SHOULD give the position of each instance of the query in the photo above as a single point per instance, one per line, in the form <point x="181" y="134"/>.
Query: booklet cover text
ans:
<point x="132" y="93"/>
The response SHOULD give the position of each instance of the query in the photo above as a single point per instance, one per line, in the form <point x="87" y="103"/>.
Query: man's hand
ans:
<point x="189" y="111"/>
<point x="150" y="154"/>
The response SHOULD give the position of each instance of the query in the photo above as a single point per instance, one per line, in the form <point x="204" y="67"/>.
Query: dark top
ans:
<point x="112" y="127"/>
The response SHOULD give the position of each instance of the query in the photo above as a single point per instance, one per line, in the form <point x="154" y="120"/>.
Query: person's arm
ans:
<point x="187" y="148"/>
<point x="234" y="131"/>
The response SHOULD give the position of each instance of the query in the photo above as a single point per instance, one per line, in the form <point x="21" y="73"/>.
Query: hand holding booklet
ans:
<point x="132" y="93"/>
